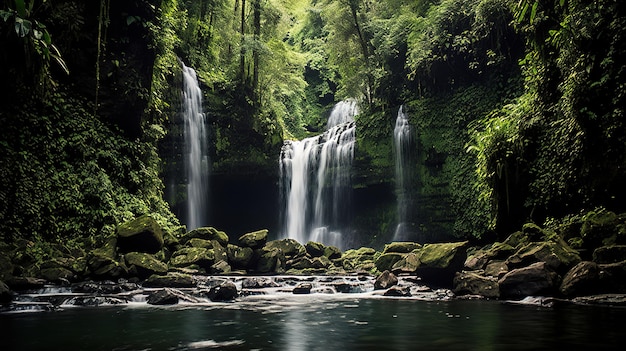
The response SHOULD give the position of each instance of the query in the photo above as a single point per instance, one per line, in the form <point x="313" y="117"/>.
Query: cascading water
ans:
<point x="196" y="147"/>
<point x="402" y="145"/>
<point x="315" y="180"/>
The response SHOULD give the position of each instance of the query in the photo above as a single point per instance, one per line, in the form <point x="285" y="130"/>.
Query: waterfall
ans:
<point x="402" y="145"/>
<point x="196" y="148"/>
<point x="315" y="180"/>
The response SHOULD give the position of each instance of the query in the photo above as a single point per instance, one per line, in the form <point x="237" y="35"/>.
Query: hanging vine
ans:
<point x="103" y="22"/>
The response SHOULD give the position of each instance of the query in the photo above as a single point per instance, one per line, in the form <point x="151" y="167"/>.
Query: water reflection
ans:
<point x="319" y="322"/>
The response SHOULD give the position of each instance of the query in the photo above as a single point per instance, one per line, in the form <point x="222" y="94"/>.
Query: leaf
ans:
<point x="57" y="56"/>
<point x="533" y="11"/>
<point x="22" y="27"/>
<point x="5" y="15"/>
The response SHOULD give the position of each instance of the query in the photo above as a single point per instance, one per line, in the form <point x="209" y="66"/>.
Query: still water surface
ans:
<point x="317" y="323"/>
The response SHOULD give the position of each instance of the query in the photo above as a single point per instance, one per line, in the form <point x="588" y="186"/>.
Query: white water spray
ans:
<point x="402" y="145"/>
<point x="316" y="180"/>
<point x="196" y="147"/>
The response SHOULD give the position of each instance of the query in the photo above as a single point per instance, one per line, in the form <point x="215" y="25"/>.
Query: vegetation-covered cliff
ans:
<point x="516" y="106"/>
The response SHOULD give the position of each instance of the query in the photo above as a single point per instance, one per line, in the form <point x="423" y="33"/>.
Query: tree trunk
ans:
<point x="255" y="52"/>
<point x="242" y="53"/>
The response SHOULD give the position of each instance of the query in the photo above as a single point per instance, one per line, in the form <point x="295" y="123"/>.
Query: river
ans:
<point x="317" y="322"/>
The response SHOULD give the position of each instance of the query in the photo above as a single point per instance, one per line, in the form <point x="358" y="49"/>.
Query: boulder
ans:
<point x="302" y="288"/>
<point x="220" y="267"/>
<point x="57" y="274"/>
<point x="315" y="249"/>
<point x="258" y="283"/>
<point x="401" y="247"/>
<point x="386" y="261"/>
<point x="480" y="258"/>
<point x="143" y="265"/>
<point x="496" y="269"/>
<point x="557" y="255"/>
<point x="239" y="257"/>
<point x="5" y="294"/>
<point x="193" y="256"/>
<point x="536" y="279"/>
<point x="597" y="227"/>
<point x="290" y="247"/>
<point x="609" y="254"/>
<point x="582" y="279"/>
<point x="254" y="240"/>
<point x="24" y="283"/>
<point x="142" y="234"/>
<point x="163" y="297"/>
<point x="442" y="255"/>
<point x="471" y="283"/>
<point x="102" y="266"/>
<point x="203" y="243"/>
<point x="533" y="232"/>
<point x="322" y="262"/>
<point x="613" y="277"/>
<point x="385" y="280"/>
<point x="408" y="264"/>
<point x="207" y="233"/>
<point x="332" y="252"/>
<point x="439" y="262"/>
<point x="170" y="280"/>
<point x="301" y="263"/>
<point x="226" y="291"/>
<point x="398" y="291"/>
<point x="270" y="261"/>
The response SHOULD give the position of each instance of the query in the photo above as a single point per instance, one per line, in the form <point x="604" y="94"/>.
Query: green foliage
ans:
<point x="26" y="20"/>
<point x="71" y="176"/>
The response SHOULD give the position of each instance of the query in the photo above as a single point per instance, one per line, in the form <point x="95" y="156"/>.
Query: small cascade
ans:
<point x="196" y="147"/>
<point x="402" y="144"/>
<point x="316" y="180"/>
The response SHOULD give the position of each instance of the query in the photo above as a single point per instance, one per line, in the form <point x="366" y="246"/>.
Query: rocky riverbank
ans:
<point x="583" y="261"/>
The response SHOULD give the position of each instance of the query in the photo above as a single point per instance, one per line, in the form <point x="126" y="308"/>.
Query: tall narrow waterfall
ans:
<point x="402" y="145"/>
<point x="315" y="180"/>
<point x="196" y="148"/>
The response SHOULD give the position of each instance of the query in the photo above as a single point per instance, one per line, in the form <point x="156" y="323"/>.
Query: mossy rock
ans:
<point x="557" y="256"/>
<point x="597" y="227"/>
<point x="408" y="264"/>
<point x="170" y="280"/>
<point x="144" y="265"/>
<point x="332" y="252"/>
<point x="270" y="261"/>
<point x="533" y="232"/>
<point x="57" y="274"/>
<point x="193" y="256"/>
<point x="301" y="263"/>
<point x="197" y="242"/>
<point x="471" y="283"/>
<point x="386" y="261"/>
<point x="516" y="240"/>
<point x="239" y="257"/>
<point x="254" y="240"/>
<point x="315" y="249"/>
<point x="220" y="267"/>
<point x="99" y="263"/>
<point x="142" y="234"/>
<point x="401" y="247"/>
<point x="440" y="255"/>
<point x="289" y="247"/>
<point x="207" y="233"/>
<point x="609" y="254"/>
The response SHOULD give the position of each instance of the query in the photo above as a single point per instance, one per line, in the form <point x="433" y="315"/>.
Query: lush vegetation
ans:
<point x="517" y="106"/>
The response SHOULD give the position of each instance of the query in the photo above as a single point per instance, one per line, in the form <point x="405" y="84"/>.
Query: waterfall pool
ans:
<point x="317" y="321"/>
